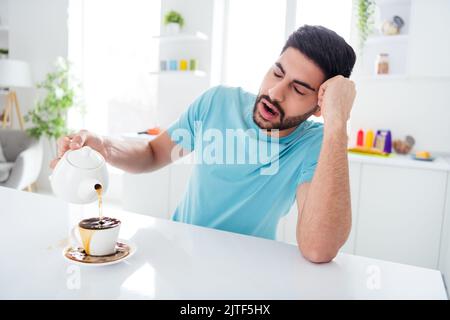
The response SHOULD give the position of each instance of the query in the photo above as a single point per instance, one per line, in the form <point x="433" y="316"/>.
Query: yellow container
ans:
<point x="368" y="141"/>
<point x="183" y="65"/>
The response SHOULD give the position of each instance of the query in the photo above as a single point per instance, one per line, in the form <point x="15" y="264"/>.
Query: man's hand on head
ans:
<point x="335" y="98"/>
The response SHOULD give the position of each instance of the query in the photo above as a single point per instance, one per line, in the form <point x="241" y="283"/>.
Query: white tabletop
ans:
<point x="180" y="261"/>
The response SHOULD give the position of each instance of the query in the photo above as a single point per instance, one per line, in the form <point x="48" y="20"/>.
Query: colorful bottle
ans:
<point x="388" y="142"/>
<point x="173" y="65"/>
<point x="368" y="143"/>
<point x="193" y="63"/>
<point x="360" y="138"/>
<point x="183" y="65"/>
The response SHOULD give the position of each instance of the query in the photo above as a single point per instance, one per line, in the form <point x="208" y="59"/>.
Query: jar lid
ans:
<point x="85" y="158"/>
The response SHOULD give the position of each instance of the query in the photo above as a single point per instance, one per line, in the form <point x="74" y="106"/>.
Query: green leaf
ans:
<point x="48" y="116"/>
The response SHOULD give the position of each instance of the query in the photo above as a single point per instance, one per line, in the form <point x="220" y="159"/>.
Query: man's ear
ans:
<point x="318" y="112"/>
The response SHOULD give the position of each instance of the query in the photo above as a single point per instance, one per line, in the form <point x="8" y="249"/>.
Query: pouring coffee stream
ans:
<point x="98" y="188"/>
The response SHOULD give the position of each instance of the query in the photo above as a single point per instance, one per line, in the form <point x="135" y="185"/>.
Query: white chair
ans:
<point x="24" y="157"/>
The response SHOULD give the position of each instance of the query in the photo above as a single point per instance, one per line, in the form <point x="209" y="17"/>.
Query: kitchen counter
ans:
<point x="404" y="161"/>
<point x="180" y="261"/>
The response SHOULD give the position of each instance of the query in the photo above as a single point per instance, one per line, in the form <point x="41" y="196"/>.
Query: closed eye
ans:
<point x="298" y="91"/>
<point x="277" y="75"/>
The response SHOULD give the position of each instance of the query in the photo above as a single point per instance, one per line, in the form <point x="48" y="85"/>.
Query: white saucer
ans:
<point x="77" y="255"/>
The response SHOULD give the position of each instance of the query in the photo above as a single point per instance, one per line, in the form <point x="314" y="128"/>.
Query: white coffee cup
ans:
<point x="96" y="240"/>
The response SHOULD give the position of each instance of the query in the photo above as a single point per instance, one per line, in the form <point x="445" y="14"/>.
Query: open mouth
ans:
<point x="267" y="110"/>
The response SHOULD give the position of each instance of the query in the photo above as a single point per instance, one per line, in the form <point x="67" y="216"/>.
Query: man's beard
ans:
<point x="283" y="123"/>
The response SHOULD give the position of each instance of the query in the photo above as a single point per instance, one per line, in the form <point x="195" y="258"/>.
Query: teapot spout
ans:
<point x="88" y="190"/>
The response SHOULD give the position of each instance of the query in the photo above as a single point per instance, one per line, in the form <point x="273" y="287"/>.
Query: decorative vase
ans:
<point x="172" y="28"/>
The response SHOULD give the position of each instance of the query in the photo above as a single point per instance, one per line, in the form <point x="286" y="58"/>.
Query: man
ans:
<point x="310" y="77"/>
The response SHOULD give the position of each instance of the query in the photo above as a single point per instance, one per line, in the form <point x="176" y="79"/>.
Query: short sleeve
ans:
<point x="308" y="168"/>
<point x="183" y="130"/>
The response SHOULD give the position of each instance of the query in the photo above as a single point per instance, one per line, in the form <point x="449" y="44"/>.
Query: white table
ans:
<point x="179" y="261"/>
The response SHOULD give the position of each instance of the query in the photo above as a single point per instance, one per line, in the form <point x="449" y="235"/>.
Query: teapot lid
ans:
<point x="85" y="158"/>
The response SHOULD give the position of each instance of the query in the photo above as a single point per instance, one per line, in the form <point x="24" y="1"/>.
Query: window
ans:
<point x="332" y="14"/>
<point x="255" y="35"/>
<point x="255" y="32"/>
<point x="112" y="51"/>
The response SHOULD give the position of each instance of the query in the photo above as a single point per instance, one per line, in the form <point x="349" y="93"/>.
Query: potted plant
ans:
<point x="4" y="53"/>
<point x="48" y="118"/>
<point x="365" y="10"/>
<point x="173" y="22"/>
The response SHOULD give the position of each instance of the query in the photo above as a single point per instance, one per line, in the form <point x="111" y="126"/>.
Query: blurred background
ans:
<point x="121" y="67"/>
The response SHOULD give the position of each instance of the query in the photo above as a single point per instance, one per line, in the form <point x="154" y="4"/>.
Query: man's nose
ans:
<point x="277" y="92"/>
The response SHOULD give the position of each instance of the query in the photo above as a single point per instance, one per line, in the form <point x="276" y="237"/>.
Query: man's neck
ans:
<point x="280" y="133"/>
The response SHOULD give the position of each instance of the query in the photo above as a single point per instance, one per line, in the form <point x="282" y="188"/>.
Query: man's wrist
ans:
<point x="106" y="143"/>
<point x="335" y="127"/>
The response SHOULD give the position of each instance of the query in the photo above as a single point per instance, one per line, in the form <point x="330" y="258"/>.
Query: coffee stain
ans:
<point x="63" y="243"/>
<point x="86" y="236"/>
<point x="60" y="244"/>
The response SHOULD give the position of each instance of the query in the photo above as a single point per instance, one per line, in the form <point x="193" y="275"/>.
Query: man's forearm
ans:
<point x="130" y="156"/>
<point x="325" y="220"/>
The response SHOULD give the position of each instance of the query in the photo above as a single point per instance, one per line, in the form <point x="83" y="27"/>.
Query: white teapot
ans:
<point x="77" y="173"/>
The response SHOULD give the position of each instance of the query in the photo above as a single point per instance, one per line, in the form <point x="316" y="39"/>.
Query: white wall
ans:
<point x="175" y="93"/>
<point x="38" y="35"/>
<point x="418" y="104"/>
<point x="4" y="18"/>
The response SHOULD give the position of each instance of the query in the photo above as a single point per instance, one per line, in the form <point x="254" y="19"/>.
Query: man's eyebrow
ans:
<point x="302" y="83"/>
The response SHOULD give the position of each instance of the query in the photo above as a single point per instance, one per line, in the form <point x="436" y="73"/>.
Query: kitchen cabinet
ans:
<point x="147" y="193"/>
<point x="400" y="214"/>
<point x="397" y="211"/>
<point x="157" y="193"/>
<point x="444" y="257"/>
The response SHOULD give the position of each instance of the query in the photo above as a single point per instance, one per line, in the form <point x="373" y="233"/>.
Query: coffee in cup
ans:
<point x="98" y="236"/>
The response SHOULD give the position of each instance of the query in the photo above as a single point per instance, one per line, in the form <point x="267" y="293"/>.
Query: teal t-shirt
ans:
<point x="243" y="180"/>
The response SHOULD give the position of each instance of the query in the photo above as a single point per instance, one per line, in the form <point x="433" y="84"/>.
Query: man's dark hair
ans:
<point x="325" y="47"/>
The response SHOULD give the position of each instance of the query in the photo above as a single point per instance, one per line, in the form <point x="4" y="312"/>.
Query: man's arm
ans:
<point x="140" y="156"/>
<point x="131" y="156"/>
<point x="324" y="206"/>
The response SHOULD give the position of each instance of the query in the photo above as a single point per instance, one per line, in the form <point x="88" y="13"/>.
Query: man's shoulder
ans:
<point x="231" y="99"/>
<point x="314" y="131"/>
<point x="229" y="92"/>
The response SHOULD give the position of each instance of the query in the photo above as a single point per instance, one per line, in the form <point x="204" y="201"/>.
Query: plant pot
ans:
<point x="172" y="28"/>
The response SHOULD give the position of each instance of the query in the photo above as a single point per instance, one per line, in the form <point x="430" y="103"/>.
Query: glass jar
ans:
<point x="382" y="64"/>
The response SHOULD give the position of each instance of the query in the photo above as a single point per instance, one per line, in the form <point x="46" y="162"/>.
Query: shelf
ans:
<point x="197" y="36"/>
<point x="4" y="28"/>
<point x="197" y="73"/>
<point x="381" y="77"/>
<point x="392" y="2"/>
<point x="401" y="77"/>
<point x="387" y="39"/>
